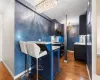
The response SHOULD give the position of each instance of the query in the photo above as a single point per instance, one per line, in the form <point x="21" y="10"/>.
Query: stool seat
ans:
<point x="42" y="53"/>
<point x="23" y="47"/>
<point x="34" y="50"/>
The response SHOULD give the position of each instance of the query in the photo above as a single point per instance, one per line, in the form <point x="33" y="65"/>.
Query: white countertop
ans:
<point x="41" y="42"/>
<point x="89" y="44"/>
<point x="55" y="47"/>
<point x="78" y="43"/>
<point x="56" y="43"/>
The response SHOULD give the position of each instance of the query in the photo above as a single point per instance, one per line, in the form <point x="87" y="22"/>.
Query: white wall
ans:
<point x="98" y="36"/>
<point x="0" y="37"/>
<point x="94" y="39"/>
<point x="8" y="37"/>
<point x="98" y="29"/>
<point x="73" y="19"/>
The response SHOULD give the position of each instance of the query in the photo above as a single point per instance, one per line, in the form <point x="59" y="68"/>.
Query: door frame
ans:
<point x="0" y="37"/>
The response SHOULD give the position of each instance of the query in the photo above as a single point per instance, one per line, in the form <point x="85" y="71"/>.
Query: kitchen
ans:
<point x="60" y="36"/>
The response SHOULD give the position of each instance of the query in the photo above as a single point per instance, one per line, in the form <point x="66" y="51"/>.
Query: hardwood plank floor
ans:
<point x="4" y="74"/>
<point x="98" y="65"/>
<point x="73" y="70"/>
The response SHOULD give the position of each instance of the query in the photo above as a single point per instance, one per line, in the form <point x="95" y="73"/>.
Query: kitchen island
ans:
<point x="50" y="62"/>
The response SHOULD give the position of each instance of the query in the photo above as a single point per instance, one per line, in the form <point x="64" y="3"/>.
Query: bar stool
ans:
<point x="23" y="47"/>
<point x="34" y="50"/>
<point x="24" y="50"/>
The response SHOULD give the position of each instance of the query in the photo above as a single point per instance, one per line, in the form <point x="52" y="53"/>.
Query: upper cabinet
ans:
<point x="82" y="24"/>
<point x="62" y="29"/>
<point x="52" y="29"/>
<point x="56" y="28"/>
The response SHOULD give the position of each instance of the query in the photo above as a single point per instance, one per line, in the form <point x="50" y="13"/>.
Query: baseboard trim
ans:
<point x="8" y="69"/>
<point x="65" y="61"/>
<point x="70" y="51"/>
<point x="17" y="76"/>
<point x="88" y="72"/>
<point x="0" y="59"/>
<point x="98" y="54"/>
<point x="20" y="74"/>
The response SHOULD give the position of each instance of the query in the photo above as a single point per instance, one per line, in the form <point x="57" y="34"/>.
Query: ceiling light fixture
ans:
<point x="45" y="5"/>
<point x="69" y="27"/>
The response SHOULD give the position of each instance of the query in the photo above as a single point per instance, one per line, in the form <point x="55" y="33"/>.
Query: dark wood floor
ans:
<point x="98" y="65"/>
<point x="4" y="74"/>
<point x="73" y="70"/>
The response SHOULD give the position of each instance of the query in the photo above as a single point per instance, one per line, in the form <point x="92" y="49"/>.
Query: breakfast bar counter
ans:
<point x="50" y="62"/>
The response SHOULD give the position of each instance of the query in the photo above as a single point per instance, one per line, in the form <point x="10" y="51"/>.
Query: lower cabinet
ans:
<point x="55" y="62"/>
<point x="61" y="51"/>
<point x="80" y="52"/>
<point x="89" y="59"/>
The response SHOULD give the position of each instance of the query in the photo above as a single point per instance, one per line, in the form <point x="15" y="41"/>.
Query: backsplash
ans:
<point x="29" y="26"/>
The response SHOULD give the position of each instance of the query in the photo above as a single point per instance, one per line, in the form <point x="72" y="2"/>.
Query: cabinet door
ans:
<point x="62" y="29"/>
<point x="55" y="62"/>
<point x="52" y="30"/>
<point x="55" y="28"/>
<point x="82" y="23"/>
<point x="89" y="59"/>
<point x="80" y="52"/>
<point x="89" y="38"/>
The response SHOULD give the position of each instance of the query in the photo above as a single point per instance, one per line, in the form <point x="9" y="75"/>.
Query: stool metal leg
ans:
<point x="37" y="67"/>
<point x="27" y="68"/>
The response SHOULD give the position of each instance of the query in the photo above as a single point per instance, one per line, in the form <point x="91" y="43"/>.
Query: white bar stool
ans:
<point x="23" y="47"/>
<point x="24" y="50"/>
<point x="34" y="50"/>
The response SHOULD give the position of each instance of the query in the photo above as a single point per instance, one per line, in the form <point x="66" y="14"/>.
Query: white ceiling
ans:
<point x="3" y="5"/>
<point x="72" y="8"/>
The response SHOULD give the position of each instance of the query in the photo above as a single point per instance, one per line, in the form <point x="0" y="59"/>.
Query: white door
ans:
<point x="0" y="37"/>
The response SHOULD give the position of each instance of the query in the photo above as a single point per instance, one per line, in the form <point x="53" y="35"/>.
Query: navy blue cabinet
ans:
<point x="50" y="63"/>
<point x="52" y="29"/>
<point x="82" y="24"/>
<point x="80" y="52"/>
<point x="55" y="28"/>
<point x="89" y="59"/>
<point x="89" y="38"/>
<point x="55" y="62"/>
<point x="62" y="29"/>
